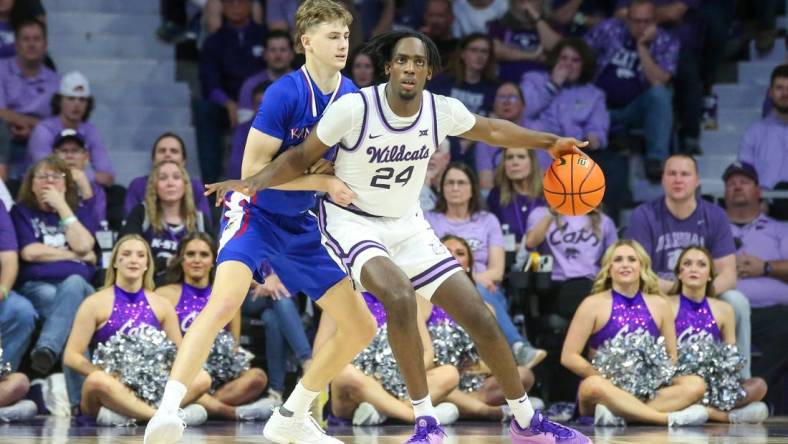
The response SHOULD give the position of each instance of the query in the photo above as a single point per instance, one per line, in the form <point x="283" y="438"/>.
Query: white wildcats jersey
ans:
<point x="386" y="168"/>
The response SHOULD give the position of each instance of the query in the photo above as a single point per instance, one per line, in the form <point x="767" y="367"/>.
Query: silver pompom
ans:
<point x="141" y="360"/>
<point x="453" y="346"/>
<point x="636" y="362"/>
<point x="718" y="364"/>
<point x="226" y="361"/>
<point x="377" y="360"/>
<point x="5" y="367"/>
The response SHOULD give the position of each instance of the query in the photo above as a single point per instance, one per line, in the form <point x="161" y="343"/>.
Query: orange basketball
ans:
<point x="574" y="185"/>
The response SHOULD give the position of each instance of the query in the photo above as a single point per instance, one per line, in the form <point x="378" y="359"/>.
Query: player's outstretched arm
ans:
<point x="505" y="134"/>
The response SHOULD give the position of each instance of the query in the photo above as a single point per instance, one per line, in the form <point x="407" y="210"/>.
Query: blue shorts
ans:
<point x="292" y="245"/>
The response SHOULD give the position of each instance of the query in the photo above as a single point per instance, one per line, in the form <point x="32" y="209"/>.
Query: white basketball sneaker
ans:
<point x="290" y="429"/>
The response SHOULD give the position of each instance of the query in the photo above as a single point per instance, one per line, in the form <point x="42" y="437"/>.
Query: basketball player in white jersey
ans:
<point x="386" y="135"/>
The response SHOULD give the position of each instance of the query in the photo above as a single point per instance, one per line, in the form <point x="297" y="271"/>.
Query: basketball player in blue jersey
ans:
<point x="386" y="135"/>
<point x="276" y="225"/>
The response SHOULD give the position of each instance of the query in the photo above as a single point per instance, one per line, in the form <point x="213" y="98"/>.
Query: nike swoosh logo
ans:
<point x="374" y="137"/>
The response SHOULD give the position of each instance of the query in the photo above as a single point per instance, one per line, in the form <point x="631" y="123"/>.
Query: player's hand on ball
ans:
<point x="340" y="193"/>
<point x="222" y="188"/>
<point x="322" y="166"/>
<point x="566" y="145"/>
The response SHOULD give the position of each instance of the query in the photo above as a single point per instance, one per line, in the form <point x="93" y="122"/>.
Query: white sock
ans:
<point x="300" y="400"/>
<point x="423" y="407"/>
<point x="174" y="392"/>
<point x="522" y="410"/>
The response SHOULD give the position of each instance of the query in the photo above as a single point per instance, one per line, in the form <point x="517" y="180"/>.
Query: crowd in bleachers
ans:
<point x="599" y="70"/>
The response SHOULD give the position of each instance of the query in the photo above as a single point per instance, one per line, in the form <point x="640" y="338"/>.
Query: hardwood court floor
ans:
<point x="61" y="431"/>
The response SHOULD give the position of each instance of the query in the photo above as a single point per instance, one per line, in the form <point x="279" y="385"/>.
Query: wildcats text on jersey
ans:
<point x="396" y="153"/>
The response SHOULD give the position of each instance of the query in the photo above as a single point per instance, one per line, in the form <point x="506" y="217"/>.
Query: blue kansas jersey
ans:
<point x="291" y="107"/>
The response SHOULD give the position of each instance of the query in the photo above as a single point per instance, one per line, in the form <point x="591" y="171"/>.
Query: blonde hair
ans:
<point x="506" y="186"/>
<point x="152" y="204"/>
<point x="147" y="276"/>
<point x="678" y="286"/>
<point x="649" y="282"/>
<point x="312" y="13"/>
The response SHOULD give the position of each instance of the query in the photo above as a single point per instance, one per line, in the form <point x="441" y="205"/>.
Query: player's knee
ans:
<point x="400" y="304"/>
<point x="224" y="310"/>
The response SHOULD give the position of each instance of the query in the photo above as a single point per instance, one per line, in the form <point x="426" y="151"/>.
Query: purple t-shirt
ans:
<point x="281" y="11"/>
<point x="43" y="137"/>
<point x="481" y="231"/>
<point x="619" y="73"/>
<point x="7" y="233"/>
<point x="575" y="247"/>
<point x="477" y="97"/>
<point x="7" y="39"/>
<point x="767" y="239"/>
<point x="136" y="194"/>
<point x="664" y="236"/>
<point x="27" y="95"/>
<point x="44" y="227"/>
<point x="510" y="32"/>
<point x="578" y="111"/>
<point x="99" y="202"/>
<point x="516" y="213"/>
<point x="764" y="147"/>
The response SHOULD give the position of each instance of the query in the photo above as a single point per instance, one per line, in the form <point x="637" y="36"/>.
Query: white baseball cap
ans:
<point x="74" y="84"/>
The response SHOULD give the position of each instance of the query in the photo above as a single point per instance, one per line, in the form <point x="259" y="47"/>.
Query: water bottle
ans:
<point x="509" y="241"/>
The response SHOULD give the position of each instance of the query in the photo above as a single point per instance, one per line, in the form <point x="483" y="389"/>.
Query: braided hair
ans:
<point x="381" y="50"/>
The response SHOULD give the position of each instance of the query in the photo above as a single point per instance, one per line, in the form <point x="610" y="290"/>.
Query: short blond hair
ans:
<point x="314" y="12"/>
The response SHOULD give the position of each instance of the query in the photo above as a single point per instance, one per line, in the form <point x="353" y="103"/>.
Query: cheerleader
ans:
<point x="625" y="306"/>
<point x="13" y="388"/>
<point x="706" y="330"/>
<point x="479" y="394"/>
<point x="236" y="395"/>
<point x="126" y="304"/>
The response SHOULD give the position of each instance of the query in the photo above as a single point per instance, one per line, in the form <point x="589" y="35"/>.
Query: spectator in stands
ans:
<point x="55" y="232"/>
<point x="17" y="315"/>
<point x="668" y="225"/>
<point x="764" y="143"/>
<point x="628" y="285"/>
<point x="273" y="303"/>
<point x="438" y="20"/>
<point x="438" y="162"/>
<point x="471" y="74"/>
<point x="26" y="89"/>
<point x="127" y="301"/>
<point x="761" y="265"/>
<point x="635" y="62"/>
<point x="681" y="18"/>
<point x="472" y="16"/>
<point x="167" y="214"/>
<point x="228" y="57"/>
<point x="518" y="190"/>
<point x="522" y="36"/>
<point x="71" y="108"/>
<point x="576" y="244"/>
<point x="698" y="315"/>
<point x="189" y="288"/>
<point x="379" y="16"/>
<point x="459" y="212"/>
<point x="565" y="100"/>
<point x="69" y="145"/>
<point x="13" y="12"/>
<point x="213" y="19"/>
<point x="575" y="17"/>
<point x="278" y="55"/>
<point x="168" y="146"/>
<point x="5" y="196"/>
<point x="240" y="134"/>
<point x="509" y="105"/>
<point x="361" y="68"/>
